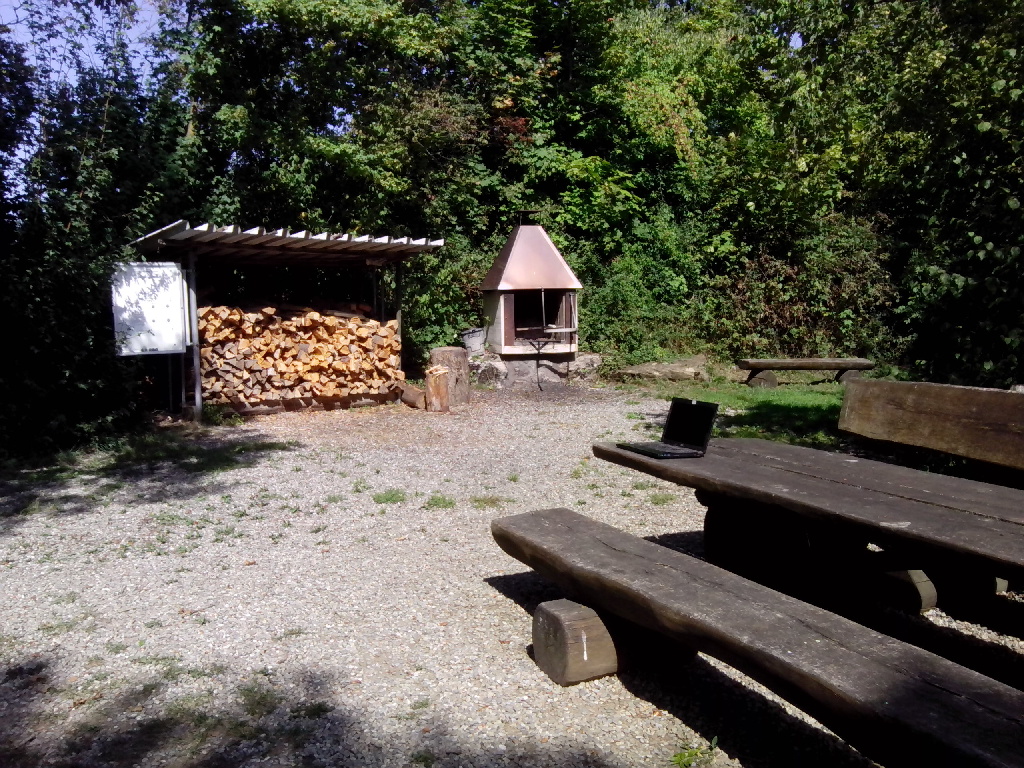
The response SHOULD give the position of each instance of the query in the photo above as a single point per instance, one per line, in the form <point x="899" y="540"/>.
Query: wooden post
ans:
<point x="456" y="360"/>
<point x="193" y="319"/>
<point x="571" y="643"/>
<point x="437" y="389"/>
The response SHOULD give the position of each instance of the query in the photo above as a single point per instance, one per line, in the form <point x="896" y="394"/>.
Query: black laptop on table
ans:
<point x="686" y="434"/>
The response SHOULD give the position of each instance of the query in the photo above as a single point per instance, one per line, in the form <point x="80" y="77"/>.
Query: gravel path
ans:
<point x="337" y="600"/>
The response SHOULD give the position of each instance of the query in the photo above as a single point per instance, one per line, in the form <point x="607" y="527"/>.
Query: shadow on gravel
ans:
<point x="169" y="463"/>
<point x="757" y="731"/>
<point x="44" y="724"/>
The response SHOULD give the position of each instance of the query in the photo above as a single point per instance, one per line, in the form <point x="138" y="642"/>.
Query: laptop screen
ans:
<point x="689" y="422"/>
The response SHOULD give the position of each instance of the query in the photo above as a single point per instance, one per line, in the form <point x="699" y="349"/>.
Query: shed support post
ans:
<point x="193" y="320"/>
<point x="398" y="312"/>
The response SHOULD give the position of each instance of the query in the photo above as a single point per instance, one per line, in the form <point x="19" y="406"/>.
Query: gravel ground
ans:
<point x="337" y="600"/>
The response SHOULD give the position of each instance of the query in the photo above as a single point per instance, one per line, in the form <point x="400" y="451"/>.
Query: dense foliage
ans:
<point x="782" y="176"/>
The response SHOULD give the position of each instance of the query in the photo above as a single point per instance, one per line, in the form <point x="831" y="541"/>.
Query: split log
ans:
<point x="437" y="389"/>
<point x="456" y="360"/>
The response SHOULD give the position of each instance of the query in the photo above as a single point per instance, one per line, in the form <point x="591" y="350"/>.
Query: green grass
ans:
<point x="390" y="496"/>
<point x="258" y="698"/>
<point x="660" y="499"/>
<point x="797" y="413"/>
<point x="487" y="502"/>
<point x="439" y="501"/>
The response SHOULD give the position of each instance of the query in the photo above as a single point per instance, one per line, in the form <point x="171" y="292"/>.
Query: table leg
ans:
<point x="758" y="541"/>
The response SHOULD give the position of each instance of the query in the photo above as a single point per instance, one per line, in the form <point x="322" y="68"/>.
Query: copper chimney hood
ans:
<point x="530" y="297"/>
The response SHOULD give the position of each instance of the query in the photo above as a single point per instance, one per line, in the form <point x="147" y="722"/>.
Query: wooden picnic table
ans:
<point x="769" y="502"/>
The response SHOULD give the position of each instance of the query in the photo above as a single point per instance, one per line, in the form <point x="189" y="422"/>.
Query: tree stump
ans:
<point x="436" y="393"/>
<point x="571" y="643"/>
<point x="456" y="360"/>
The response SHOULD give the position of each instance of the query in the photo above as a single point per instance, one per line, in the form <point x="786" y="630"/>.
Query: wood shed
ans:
<point x="278" y="320"/>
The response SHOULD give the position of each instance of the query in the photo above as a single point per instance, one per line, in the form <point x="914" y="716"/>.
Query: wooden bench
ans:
<point x="898" y="704"/>
<point x="846" y="368"/>
<point x="800" y="518"/>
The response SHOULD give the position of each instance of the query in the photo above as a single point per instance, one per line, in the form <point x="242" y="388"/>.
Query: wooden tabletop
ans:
<point x="977" y="524"/>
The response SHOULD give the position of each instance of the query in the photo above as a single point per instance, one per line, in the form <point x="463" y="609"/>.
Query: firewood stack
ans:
<point x="264" y="359"/>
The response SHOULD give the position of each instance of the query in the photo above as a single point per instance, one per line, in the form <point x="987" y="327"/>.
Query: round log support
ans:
<point x="958" y="587"/>
<point x="846" y="375"/>
<point x="571" y="643"/>
<point x="908" y="590"/>
<point x="769" y="546"/>
<point x="762" y="380"/>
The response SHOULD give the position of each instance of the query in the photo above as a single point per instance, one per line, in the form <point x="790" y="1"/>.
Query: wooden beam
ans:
<point x="806" y="364"/>
<point x="977" y="423"/>
<point x="897" y="703"/>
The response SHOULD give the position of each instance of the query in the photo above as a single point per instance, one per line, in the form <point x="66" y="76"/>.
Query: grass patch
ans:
<point x="661" y="499"/>
<point x="799" y="413"/>
<point x="439" y="501"/>
<point x="360" y="485"/>
<point x="487" y="502"/>
<point x="390" y="496"/>
<point x="258" y="699"/>
<point x="696" y="756"/>
<point x="58" y="627"/>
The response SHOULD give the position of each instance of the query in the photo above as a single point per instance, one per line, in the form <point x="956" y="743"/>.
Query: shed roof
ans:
<point x="281" y="247"/>
<point x="529" y="260"/>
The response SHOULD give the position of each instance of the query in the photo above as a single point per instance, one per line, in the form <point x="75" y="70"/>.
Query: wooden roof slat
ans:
<point x="259" y="245"/>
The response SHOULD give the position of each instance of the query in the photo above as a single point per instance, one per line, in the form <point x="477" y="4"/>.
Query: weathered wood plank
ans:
<point x="806" y="364"/>
<point x="933" y="531"/>
<point x="971" y="496"/>
<point x="898" y="704"/>
<point x="985" y="424"/>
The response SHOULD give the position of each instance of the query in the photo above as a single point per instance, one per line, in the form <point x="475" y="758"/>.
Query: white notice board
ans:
<point x="150" y="301"/>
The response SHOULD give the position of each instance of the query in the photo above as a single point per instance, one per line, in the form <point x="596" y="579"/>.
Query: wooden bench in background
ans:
<point x="761" y="375"/>
<point x="898" y="704"/>
<point x="799" y="518"/>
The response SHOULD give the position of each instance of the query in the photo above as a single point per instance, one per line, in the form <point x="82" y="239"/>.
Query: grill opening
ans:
<point x="540" y="315"/>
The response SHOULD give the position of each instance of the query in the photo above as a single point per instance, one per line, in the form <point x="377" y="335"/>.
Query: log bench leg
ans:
<point x="767" y="545"/>
<point x="845" y="376"/>
<point x="762" y="380"/>
<point x="875" y="576"/>
<point x="571" y="643"/>
<point x="957" y="586"/>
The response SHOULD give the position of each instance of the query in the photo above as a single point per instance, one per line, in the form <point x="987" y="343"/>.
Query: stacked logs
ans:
<point x="260" y="358"/>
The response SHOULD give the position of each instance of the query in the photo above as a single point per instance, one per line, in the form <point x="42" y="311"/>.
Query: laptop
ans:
<point x="686" y="434"/>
